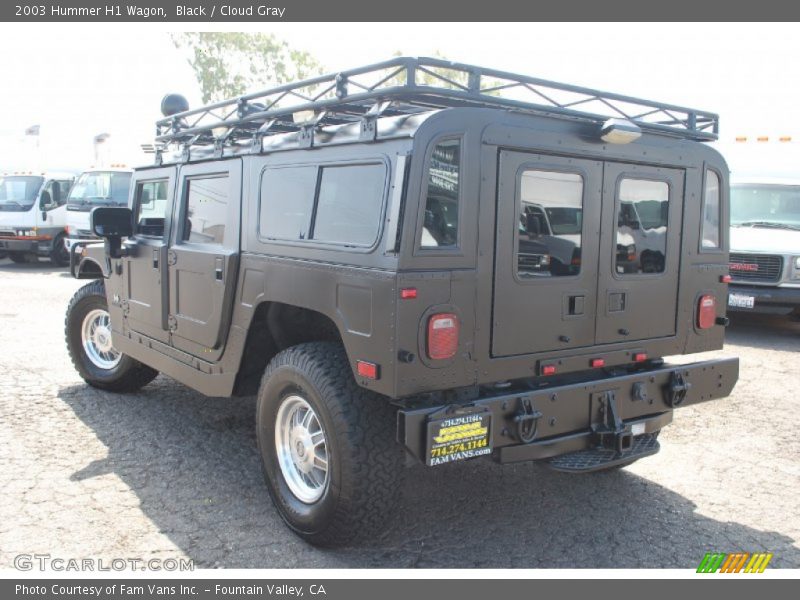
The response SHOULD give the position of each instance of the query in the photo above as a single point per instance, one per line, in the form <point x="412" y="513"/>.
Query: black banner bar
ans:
<point x="266" y="11"/>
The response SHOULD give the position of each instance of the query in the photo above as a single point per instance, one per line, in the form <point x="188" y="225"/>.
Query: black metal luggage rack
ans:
<point x="407" y="86"/>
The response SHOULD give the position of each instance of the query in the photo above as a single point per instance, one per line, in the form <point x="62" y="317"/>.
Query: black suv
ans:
<point x="417" y="260"/>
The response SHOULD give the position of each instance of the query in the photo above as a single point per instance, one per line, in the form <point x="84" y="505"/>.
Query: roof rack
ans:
<point x="407" y="86"/>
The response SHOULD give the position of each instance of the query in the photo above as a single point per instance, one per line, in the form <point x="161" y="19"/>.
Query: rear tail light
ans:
<point x="640" y="357"/>
<point x="598" y="362"/>
<point x="725" y="278"/>
<point x="706" y="311"/>
<point x="443" y="330"/>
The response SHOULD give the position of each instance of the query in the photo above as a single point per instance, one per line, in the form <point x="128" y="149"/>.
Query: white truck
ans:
<point x="33" y="215"/>
<point x="102" y="186"/>
<point x="765" y="245"/>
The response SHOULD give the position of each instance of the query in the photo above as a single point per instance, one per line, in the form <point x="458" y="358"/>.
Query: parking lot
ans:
<point x="169" y="473"/>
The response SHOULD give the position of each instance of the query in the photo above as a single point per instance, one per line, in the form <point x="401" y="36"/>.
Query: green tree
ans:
<point x="231" y="64"/>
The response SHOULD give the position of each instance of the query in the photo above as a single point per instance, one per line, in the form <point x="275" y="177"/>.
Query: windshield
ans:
<point x="101" y="188"/>
<point x="565" y="221"/>
<point x="18" y="193"/>
<point x="765" y="206"/>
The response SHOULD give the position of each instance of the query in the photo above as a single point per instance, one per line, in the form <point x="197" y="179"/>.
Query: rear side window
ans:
<point x="349" y="204"/>
<point x="151" y="208"/>
<point x="709" y="233"/>
<point x="337" y="204"/>
<point x="642" y="222"/>
<point x="550" y="224"/>
<point x="440" y="224"/>
<point x="206" y="210"/>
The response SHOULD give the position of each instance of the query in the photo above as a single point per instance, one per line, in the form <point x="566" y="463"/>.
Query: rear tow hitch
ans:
<point x="527" y="421"/>
<point x="676" y="389"/>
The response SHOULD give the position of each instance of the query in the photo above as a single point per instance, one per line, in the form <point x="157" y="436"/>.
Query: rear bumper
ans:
<point x="610" y="412"/>
<point x="771" y="300"/>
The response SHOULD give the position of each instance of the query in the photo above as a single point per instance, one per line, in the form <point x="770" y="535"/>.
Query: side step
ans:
<point x="598" y="458"/>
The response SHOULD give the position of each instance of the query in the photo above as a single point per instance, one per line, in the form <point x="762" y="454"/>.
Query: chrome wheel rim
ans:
<point x="96" y="339"/>
<point x="302" y="449"/>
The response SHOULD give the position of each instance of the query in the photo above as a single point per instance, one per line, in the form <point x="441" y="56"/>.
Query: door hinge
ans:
<point x="172" y="323"/>
<point x="172" y="257"/>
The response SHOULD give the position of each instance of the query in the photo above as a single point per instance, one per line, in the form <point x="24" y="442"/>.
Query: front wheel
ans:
<point x="59" y="255"/>
<point x="88" y="332"/>
<point x="328" y="449"/>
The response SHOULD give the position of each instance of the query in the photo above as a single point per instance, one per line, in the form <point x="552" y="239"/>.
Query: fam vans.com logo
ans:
<point x="738" y="562"/>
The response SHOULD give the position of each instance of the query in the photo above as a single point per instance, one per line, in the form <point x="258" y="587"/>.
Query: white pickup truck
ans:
<point x="765" y="245"/>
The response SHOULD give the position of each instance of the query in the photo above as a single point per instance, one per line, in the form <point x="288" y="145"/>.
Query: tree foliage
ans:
<point x="231" y="64"/>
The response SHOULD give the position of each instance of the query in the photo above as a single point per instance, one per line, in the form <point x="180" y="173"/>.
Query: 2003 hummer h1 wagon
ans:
<point x="418" y="256"/>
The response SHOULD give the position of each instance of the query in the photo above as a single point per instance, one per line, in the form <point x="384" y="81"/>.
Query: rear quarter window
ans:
<point x="331" y="204"/>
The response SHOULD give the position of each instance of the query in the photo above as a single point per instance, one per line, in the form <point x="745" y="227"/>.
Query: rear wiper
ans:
<point x="771" y="224"/>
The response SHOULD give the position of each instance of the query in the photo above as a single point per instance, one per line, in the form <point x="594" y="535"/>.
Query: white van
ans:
<point x="102" y="186"/>
<point x="33" y="215"/>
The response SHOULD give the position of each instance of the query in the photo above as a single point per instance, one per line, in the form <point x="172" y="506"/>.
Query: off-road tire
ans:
<point x="365" y="462"/>
<point x="128" y="375"/>
<point x="59" y="255"/>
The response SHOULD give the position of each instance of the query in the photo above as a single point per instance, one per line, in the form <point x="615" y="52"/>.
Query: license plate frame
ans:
<point x="457" y="437"/>
<point x="736" y="300"/>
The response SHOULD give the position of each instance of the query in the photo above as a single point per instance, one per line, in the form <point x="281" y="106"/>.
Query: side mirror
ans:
<point x="46" y="201"/>
<point x="532" y="224"/>
<point x="112" y="223"/>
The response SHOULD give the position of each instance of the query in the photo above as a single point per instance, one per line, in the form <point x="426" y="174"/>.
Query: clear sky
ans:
<point x="77" y="81"/>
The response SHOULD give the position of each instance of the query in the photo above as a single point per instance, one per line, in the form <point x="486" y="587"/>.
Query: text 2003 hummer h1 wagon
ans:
<point x="418" y="258"/>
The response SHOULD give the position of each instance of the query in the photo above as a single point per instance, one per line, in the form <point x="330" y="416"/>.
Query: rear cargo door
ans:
<point x="546" y="255"/>
<point x="639" y="252"/>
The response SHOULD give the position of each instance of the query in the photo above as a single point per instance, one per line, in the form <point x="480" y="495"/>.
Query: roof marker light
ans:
<point x="620" y="131"/>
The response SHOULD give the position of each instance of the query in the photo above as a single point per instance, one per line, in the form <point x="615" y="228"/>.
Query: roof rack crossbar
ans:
<point x="414" y="85"/>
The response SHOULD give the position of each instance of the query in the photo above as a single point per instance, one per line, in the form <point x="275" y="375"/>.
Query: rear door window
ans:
<point x="642" y="223"/>
<point x="550" y="224"/>
<point x="206" y="209"/>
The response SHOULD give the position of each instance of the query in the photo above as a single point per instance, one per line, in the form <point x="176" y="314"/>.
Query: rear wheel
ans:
<point x="59" y="255"/>
<point x="88" y="333"/>
<point x="328" y="448"/>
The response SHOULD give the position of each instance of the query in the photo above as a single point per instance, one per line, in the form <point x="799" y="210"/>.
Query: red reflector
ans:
<point x="725" y="278"/>
<point x="639" y="357"/>
<point x="443" y="330"/>
<point x="408" y="293"/>
<point x="706" y="311"/>
<point x="367" y="369"/>
<point x="548" y="370"/>
<point x="598" y="362"/>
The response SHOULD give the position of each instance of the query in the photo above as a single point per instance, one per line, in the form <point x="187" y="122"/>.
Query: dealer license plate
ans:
<point x="741" y="300"/>
<point x="458" y="437"/>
